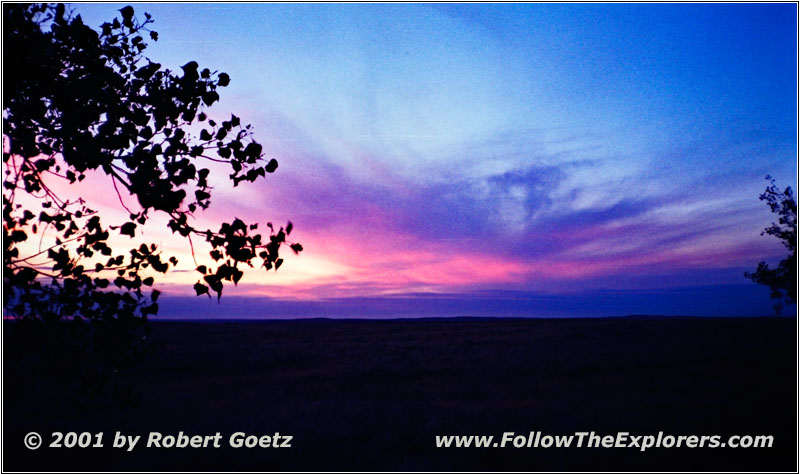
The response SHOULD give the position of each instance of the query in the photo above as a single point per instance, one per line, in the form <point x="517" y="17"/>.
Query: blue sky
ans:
<point x="455" y="151"/>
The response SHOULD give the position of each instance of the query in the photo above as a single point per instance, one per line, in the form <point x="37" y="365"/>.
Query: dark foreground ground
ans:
<point x="371" y="395"/>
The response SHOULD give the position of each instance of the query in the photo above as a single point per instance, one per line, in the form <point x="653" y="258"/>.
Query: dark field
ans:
<point x="371" y="395"/>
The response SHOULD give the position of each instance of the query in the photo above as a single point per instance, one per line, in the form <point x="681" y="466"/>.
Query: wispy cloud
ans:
<point x="454" y="149"/>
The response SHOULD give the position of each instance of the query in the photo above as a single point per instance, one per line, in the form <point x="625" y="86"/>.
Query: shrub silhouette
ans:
<point x="76" y="101"/>
<point x="782" y="280"/>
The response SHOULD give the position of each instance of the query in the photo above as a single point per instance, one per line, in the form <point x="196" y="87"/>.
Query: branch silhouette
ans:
<point x="782" y="280"/>
<point x="81" y="100"/>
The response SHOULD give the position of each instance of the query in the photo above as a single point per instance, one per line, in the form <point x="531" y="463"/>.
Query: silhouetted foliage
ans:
<point x="78" y="101"/>
<point x="782" y="280"/>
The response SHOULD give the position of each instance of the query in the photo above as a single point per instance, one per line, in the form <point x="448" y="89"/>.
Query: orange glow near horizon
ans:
<point x="337" y="262"/>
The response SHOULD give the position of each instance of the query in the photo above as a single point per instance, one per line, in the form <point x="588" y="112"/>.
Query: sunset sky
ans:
<point x="495" y="159"/>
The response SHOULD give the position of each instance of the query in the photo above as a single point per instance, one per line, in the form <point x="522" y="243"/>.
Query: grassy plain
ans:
<point x="372" y="395"/>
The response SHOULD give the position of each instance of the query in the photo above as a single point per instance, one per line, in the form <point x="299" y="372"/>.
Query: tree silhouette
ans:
<point x="77" y="101"/>
<point x="782" y="280"/>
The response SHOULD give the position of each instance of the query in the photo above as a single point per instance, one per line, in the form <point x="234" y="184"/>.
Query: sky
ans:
<point x="495" y="159"/>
